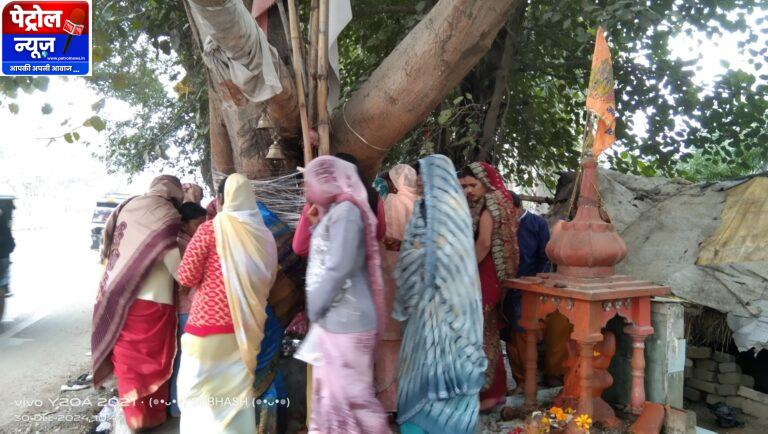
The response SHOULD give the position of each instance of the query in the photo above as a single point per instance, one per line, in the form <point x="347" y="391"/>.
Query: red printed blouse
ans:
<point x="201" y="269"/>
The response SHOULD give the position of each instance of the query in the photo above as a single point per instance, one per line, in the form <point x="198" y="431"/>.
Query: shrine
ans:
<point x="586" y="291"/>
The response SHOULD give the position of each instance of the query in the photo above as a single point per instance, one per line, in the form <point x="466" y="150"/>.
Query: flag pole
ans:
<point x="323" y="124"/>
<point x="298" y="71"/>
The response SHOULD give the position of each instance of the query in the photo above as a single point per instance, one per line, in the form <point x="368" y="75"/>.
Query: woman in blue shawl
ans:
<point x="269" y="385"/>
<point x="442" y="363"/>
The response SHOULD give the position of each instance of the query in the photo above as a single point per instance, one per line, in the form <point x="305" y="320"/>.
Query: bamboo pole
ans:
<point x="314" y="23"/>
<point x="298" y="71"/>
<point x="323" y="124"/>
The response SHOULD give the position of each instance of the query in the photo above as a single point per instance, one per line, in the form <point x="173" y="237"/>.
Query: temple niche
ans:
<point x="586" y="290"/>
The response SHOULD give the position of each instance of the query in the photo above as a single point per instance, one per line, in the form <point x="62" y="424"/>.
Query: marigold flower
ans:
<point x="584" y="422"/>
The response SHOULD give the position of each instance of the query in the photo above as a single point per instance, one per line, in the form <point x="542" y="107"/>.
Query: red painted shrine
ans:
<point x="587" y="292"/>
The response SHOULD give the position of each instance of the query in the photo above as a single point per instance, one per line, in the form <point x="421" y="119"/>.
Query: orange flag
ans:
<point x="600" y="99"/>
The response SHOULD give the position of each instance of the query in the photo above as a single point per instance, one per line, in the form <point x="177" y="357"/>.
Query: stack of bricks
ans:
<point x="712" y="377"/>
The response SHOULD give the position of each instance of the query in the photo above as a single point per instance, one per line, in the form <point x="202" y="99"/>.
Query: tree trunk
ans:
<point x="237" y="145"/>
<point x="411" y="82"/>
<point x="416" y="76"/>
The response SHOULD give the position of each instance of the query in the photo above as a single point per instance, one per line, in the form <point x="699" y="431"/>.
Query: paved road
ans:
<point x="44" y="336"/>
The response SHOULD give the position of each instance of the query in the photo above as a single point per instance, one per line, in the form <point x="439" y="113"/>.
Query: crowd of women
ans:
<point x="403" y="298"/>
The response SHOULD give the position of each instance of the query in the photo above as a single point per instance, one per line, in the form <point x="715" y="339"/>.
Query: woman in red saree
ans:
<point x="494" y="218"/>
<point x="134" y="319"/>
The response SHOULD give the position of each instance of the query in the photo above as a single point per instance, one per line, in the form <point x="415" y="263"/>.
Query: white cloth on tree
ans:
<point x="339" y="15"/>
<point x="241" y="54"/>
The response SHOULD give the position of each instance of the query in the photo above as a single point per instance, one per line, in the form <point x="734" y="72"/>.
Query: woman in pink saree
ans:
<point x="345" y="301"/>
<point x="398" y="207"/>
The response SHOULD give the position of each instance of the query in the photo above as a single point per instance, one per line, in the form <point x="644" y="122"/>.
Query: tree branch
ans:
<point x="427" y="64"/>
<point x="511" y="43"/>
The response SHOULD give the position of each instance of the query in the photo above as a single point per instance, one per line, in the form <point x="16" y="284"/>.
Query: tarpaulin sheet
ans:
<point x="743" y="232"/>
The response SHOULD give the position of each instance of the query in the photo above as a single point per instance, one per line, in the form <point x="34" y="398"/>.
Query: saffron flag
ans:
<point x="600" y="98"/>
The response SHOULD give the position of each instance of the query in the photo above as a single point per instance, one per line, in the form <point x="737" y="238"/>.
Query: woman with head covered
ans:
<point x="398" y="206"/>
<point x="495" y="226"/>
<point x="232" y="261"/>
<point x="134" y="319"/>
<point x="438" y="300"/>
<point x="344" y="301"/>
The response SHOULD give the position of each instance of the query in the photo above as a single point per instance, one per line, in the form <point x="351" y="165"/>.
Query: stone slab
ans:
<point x="692" y="394"/>
<point x="748" y="381"/>
<point x="704" y="386"/>
<point x="694" y="352"/>
<point x="721" y="357"/>
<point x="729" y="367"/>
<point x="735" y="401"/>
<point x="754" y="408"/>
<point x="705" y="375"/>
<point x="688" y="372"/>
<point x="729" y="378"/>
<point x="706" y="364"/>
<point x="727" y="389"/>
<point x="679" y="421"/>
<point x="713" y="399"/>
<point x="754" y="395"/>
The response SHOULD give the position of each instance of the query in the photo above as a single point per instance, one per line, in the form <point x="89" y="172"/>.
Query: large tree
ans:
<point x="418" y="79"/>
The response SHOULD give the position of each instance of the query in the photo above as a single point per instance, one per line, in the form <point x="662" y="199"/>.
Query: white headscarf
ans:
<point x="248" y="263"/>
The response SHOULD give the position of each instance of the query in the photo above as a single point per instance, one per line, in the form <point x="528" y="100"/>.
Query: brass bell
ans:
<point x="275" y="152"/>
<point x="265" y="122"/>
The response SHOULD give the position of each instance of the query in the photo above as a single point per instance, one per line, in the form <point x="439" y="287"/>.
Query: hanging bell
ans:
<point x="265" y="122"/>
<point x="275" y="151"/>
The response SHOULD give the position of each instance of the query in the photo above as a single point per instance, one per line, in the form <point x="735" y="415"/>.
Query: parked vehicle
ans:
<point x="104" y="208"/>
<point x="7" y="245"/>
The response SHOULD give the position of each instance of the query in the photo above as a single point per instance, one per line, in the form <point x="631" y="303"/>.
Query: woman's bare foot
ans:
<point x="489" y="404"/>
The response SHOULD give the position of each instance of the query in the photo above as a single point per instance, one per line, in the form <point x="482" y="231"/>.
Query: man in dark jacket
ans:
<point x="532" y="239"/>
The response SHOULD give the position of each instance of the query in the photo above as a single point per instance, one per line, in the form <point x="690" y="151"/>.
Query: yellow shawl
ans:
<point x="248" y="263"/>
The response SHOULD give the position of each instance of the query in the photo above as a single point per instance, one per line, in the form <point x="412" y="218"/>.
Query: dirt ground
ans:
<point x="74" y="412"/>
<point x="705" y="419"/>
<point x="77" y="413"/>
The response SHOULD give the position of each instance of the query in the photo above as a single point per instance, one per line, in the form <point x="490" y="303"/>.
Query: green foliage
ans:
<point x="702" y="167"/>
<point x="96" y="123"/>
<point x="10" y="86"/>
<point x="143" y="49"/>
<point x="541" y="127"/>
